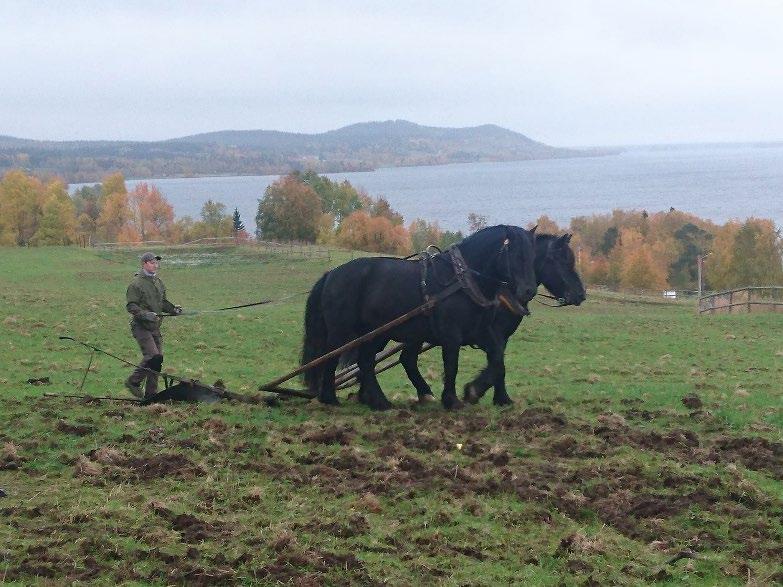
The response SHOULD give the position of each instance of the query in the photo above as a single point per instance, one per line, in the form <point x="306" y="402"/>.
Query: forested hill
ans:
<point x="357" y="147"/>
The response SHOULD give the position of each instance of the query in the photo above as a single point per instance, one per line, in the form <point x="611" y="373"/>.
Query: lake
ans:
<point x="719" y="183"/>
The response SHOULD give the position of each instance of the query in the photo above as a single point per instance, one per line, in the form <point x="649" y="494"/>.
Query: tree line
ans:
<point x="635" y="250"/>
<point x="622" y="249"/>
<point x="34" y="212"/>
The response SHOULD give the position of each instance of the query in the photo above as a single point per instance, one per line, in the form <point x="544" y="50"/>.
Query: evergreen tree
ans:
<point x="238" y="224"/>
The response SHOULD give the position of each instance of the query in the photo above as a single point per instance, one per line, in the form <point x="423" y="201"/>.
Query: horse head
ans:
<point x="555" y="269"/>
<point x="505" y="257"/>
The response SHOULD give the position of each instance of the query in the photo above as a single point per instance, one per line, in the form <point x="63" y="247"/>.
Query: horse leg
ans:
<point x="450" y="353"/>
<point x="409" y="357"/>
<point x="497" y="366"/>
<point x="327" y="393"/>
<point x="370" y="391"/>
<point x="475" y="390"/>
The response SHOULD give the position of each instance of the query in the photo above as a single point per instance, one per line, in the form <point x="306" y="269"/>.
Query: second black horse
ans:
<point x="555" y="269"/>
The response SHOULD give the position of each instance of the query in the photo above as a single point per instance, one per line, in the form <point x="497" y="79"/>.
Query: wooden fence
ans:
<point x="743" y="300"/>
<point x="284" y="249"/>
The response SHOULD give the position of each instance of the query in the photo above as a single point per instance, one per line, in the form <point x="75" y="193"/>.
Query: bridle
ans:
<point x="560" y="300"/>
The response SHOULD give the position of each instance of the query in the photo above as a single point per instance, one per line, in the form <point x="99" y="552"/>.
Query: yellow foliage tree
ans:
<point x="375" y="234"/>
<point x="58" y="220"/>
<point x="21" y="207"/>
<point x="115" y="215"/>
<point x="113" y="184"/>
<point x="640" y="268"/>
<point x="545" y="225"/>
<point x="115" y="210"/>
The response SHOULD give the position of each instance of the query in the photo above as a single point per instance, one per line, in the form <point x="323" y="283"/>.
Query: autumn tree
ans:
<point x="21" y="207"/>
<point x="216" y="222"/>
<point x="87" y="206"/>
<point x="380" y="207"/>
<point x="375" y="234"/>
<point x="113" y="184"/>
<point x="151" y="215"/>
<point x="423" y="234"/>
<point x="755" y="255"/>
<point x="545" y="225"/>
<point x="115" y="211"/>
<point x="640" y="268"/>
<point x="289" y="210"/>
<point x="58" y="219"/>
<point x="115" y="215"/>
<point x="339" y="199"/>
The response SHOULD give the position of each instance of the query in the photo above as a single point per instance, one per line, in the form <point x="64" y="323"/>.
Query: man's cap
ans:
<point x="149" y="257"/>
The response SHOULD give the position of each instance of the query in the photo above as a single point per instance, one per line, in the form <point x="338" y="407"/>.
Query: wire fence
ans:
<point x="209" y="251"/>
<point x="743" y="300"/>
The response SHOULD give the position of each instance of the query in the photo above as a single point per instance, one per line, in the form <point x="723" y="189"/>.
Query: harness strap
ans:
<point x="464" y="276"/>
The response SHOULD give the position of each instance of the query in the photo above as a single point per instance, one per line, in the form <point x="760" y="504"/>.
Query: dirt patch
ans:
<point x="758" y="454"/>
<point x="311" y="566"/>
<point x="692" y="402"/>
<point x="335" y="434"/>
<point x="10" y="459"/>
<point x="191" y="528"/>
<point x="156" y="467"/>
<point x="75" y="429"/>
<point x="534" y="418"/>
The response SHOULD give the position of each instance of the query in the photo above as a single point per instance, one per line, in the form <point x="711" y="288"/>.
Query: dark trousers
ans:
<point x="151" y="346"/>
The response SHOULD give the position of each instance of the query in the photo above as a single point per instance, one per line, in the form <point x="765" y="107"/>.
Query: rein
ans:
<point x="261" y="303"/>
<point x="560" y="301"/>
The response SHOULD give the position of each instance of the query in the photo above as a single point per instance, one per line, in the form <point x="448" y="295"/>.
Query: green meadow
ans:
<point x="645" y="445"/>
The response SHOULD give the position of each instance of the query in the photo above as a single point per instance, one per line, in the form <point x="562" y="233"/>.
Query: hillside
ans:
<point x="356" y="147"/>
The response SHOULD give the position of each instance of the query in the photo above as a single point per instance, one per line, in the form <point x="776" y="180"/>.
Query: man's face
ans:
<point x="151" y="266"/>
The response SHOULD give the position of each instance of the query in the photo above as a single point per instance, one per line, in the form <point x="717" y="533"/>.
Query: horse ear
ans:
<point x="563" y="240"/>
<point x="533" y="230"/>
<point x="567" y="237"/>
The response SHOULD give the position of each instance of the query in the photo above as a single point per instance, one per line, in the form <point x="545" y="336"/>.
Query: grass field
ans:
<point x="599" y="474"/>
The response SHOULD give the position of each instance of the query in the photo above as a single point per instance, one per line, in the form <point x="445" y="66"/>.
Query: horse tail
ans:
<point x="315" y="336"/>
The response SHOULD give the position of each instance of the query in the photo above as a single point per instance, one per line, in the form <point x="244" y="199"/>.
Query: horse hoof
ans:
<point x="453" y="404"/>
<point x="426" y="398"/>
<point x="504" y="401"/>
<point x="381" y="406"/>
<point x="470" y="395"/>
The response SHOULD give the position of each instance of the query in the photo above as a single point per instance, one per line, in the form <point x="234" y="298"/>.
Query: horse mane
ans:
<point x="484" y="239"/>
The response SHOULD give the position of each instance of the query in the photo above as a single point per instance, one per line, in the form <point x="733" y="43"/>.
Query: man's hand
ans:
<point x="149" y="316"/>
<point x="177" y="310"/>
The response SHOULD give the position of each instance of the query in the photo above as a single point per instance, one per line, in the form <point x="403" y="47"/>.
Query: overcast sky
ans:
<point x="563" y="72"/>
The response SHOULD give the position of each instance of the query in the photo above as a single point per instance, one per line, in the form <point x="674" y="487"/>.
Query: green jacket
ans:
<point x="147" y="294"/>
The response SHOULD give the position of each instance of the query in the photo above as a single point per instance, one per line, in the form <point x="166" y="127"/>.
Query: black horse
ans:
<point x="364" y="294"/>
<point x="555" y="270"/>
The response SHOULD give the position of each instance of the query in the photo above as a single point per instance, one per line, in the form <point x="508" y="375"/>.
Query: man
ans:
<point x="146" y="301"/>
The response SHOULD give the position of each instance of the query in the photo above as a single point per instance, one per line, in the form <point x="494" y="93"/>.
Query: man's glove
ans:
<point x="177" y="310"/>
<point x="149" y="316"/>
